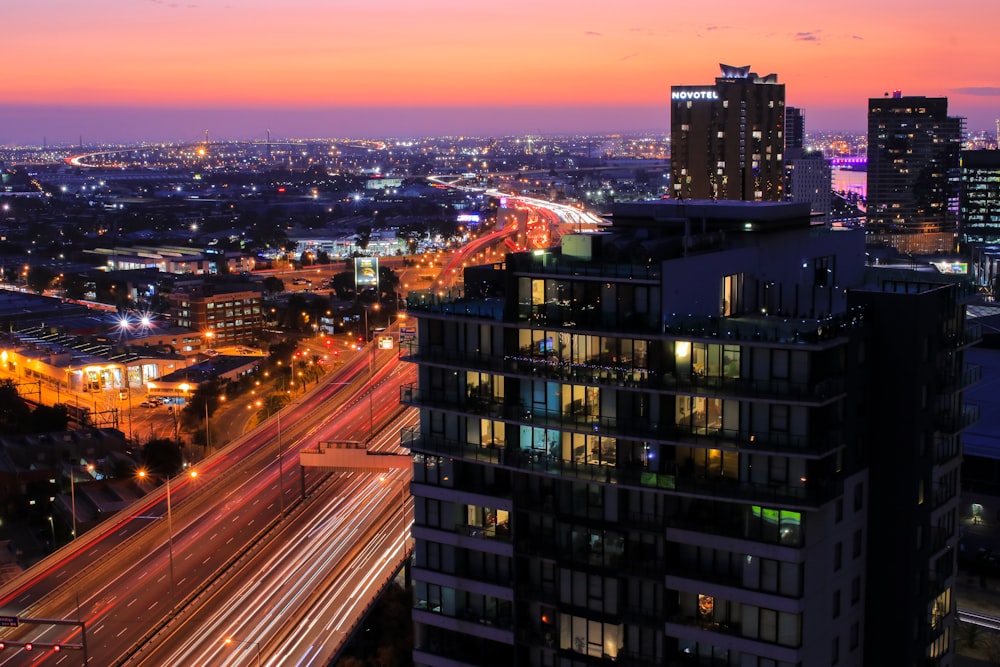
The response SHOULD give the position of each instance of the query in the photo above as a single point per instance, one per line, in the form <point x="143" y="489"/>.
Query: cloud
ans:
<point x="631" y="55"/>
<point x="856" y="37"/>
<point x="591" y="33"/>
<point x="807" y="36"/>
<point x="717" y="27"/>
<point x="984" y="91"/>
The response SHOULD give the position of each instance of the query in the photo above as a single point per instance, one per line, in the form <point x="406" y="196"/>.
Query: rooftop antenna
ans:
<point x="206" y="137"/>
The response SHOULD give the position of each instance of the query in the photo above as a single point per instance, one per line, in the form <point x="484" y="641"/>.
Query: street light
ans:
<point x="142" y="474"/>
<point x="230" y="641"/>
<point x="72" y="493"/>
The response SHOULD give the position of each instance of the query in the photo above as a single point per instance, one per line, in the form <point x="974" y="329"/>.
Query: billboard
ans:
<point x="365" y="272"/>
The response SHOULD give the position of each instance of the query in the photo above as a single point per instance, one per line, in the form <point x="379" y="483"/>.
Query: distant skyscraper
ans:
<point x="979" y="197"/>
<point x="810" y="180"/>
<point x="913" y="151"/>
<point x="727" y="139"/>
<point x="795" y="132"/>
<point x="809" y="176"/>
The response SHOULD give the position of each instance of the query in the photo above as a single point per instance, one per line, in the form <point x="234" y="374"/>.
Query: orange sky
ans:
<point x="314" y="54"/>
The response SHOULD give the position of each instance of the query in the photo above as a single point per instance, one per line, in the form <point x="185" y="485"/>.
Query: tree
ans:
<point x="14" y="412"/>
<point x="49" y="418"/>
<point x="205" y="396"/>
<point x="40" y="277"/>
<point x="273" y="285"/>
<point x="163" y="456"/>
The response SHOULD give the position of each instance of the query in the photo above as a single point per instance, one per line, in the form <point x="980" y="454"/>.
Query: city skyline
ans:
<point x="111" y="70"/>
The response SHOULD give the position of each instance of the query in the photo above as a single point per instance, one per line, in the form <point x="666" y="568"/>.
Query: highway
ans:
<point x="232" y="563"/>
<point x="131" y="571"/>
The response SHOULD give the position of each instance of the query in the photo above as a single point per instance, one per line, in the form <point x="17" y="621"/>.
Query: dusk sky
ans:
<point x="130" y="70"/>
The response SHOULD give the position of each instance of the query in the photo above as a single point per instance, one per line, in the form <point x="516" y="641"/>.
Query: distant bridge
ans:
<point x="850" y="161"/>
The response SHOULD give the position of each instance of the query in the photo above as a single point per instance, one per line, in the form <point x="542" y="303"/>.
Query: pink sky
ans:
<point x="156" y="69"/>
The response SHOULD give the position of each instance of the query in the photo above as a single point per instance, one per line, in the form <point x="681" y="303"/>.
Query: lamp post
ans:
<point x="72" y="494"/>
<point x="281" y="470"/>
<point x="230" y="641"/>
<point x="142" y="474"/>
<point x="208" y="432"/>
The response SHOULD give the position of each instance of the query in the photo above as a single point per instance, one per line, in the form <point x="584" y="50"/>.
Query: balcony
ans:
<point x="430" y="302"/>
<point x="811" y="495"/>
<point x="951" y="382"/>
<point x="812" y="446"/>
<point x="770" y="329"/>
<point x="586" y="317"/>
<point x="945" y="448"/>
<point x="969" y="336"/>
<point x="601" y="372"/>
<point x="551" y="264"/>
<point x="950" y="423"/>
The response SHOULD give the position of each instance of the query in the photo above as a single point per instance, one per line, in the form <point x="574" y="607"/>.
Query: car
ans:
<point x="148" y="404"/>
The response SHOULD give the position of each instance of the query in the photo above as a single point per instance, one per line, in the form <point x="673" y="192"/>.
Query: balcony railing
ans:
<point x="600" y="372"/>
<point x="429" y="301"/>
<point x="692" y="482"/>
<point x="952" y="382"/>
<point x="970" y="335"/>
<point x="950" y="422"/>
<point x="638" y="429"/>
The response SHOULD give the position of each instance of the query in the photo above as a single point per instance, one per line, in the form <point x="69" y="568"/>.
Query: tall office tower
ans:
<point x="726" y="140"/>
<point x="913" y="159"/>
<point x="979" y="197"/>
<point x="676" y="443"/>
<point x="795" y="132"/>
<point x="979" y="216"/>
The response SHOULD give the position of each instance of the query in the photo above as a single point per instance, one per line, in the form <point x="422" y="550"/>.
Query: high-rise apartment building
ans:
<point x="686" y="441"/>
<point x="913" y="160"/>
<point x="727" y="139"/>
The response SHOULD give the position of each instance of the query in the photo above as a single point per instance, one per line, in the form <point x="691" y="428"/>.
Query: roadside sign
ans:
<point x="407" y="333"/>
<point x="8" y="621"/>
<point x="385" y="343"/>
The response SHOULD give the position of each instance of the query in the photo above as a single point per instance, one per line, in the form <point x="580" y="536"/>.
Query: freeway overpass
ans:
<point x="138" y="582"/>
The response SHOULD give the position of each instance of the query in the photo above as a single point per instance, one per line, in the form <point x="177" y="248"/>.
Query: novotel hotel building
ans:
<point x="727" y="140"/>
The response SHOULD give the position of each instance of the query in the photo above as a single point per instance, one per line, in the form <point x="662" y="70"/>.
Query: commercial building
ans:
<point x="727" y="140"/>
<point x="795" y="132"/>
<point x="913" y="161"/>
<point x="809" y="177"/>
<point x="226" y="313"/>
<point x="979" y="199"/>
<point x="686" y="441"/>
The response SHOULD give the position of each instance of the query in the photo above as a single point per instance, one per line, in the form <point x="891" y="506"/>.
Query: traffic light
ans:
<point x="28" y="646"/>
<point x="3" y="645"/>
<point x="57" y="647"/>
<point x="328" y="342"/>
